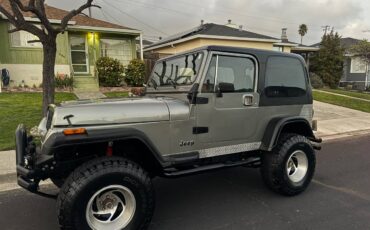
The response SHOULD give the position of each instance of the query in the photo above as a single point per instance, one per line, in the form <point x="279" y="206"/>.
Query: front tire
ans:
<point x="106" y="193"/>
<point x="289" y="168"/>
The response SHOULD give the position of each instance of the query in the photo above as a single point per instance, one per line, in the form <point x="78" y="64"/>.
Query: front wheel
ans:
<point x="106" y="193"/>
<point x="289" y="168"/>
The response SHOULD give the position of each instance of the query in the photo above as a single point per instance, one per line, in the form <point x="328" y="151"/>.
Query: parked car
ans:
<point x="206" y="109"/>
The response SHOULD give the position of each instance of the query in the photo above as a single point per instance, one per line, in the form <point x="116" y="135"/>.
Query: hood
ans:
<point x="120" y="111"/>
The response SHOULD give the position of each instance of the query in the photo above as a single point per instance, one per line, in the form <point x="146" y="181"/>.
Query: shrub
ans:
<point x="110" y="72"/>
<point x="316" y="81"/>
<point x="63" y="81"/>
<point x="135" y="73"/>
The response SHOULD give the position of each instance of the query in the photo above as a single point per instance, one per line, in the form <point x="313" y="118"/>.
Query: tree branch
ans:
<point x="74" y="13"/>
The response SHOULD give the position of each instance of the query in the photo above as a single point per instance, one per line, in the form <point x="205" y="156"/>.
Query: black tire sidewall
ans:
<point x="73" y="206"/>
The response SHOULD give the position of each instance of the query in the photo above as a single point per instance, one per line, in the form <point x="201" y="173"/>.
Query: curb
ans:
<point x="339" y="136"/>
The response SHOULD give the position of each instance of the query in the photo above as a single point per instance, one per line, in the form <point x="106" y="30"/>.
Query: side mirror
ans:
<point x="224" y="87"/>
<point x="192" y="95"/>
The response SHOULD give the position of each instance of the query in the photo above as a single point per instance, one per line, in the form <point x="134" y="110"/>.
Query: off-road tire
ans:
<point x="273" y="169"/>
<point x="58" y="181"/>
<point x="95" y="175"/>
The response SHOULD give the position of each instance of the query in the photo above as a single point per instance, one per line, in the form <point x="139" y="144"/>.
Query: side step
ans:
<point x="252" y="162"/>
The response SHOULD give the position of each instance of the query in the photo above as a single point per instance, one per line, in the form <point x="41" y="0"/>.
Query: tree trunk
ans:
<point x="48" y="78"/>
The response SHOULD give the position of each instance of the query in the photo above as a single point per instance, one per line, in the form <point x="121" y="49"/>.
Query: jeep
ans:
<point x="206" y="109"/>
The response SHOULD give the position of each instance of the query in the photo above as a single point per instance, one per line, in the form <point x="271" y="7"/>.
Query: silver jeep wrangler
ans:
<point x="207" y="109"/>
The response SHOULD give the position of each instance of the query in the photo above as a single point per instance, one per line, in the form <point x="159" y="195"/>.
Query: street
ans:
<point x="338" y="198"/>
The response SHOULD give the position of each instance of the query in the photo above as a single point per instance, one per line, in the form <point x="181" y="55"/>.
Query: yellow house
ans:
<point x="214" y="34"/>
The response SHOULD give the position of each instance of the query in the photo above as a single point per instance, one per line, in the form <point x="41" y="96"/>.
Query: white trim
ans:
<point x="141" y="47"/>
<point x="104" y="29"/>
<point x="225" y="150"/>
<point x="306" y="48"/>
<point x="30" y="19"/>
<point x="210" y="37"/>
<point x="285" y="44"/>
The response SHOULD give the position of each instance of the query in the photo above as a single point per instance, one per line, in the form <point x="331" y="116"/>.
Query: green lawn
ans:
<point x="349" y="93"/>
<point x="16" y="108"/>
<point x="342" y="101"/>
<point x="116" y="94"/>
<point x="23" y="108"/>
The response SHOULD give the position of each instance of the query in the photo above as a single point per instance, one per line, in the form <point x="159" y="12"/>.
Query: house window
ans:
<point x="22" y="38"/>
<point x="277" y="48"/>
<point x="117" y="49"/>
<point x="357" y="65"/>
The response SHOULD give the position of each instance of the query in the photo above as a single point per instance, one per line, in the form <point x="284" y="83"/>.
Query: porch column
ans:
<point x="141" y="47"/>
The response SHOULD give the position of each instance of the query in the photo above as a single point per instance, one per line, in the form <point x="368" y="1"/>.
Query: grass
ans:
<point x="16" y="108"/>
<point x="342" y="101"/>
<point x="349" y="93"/>
<point x="116" y="94"/>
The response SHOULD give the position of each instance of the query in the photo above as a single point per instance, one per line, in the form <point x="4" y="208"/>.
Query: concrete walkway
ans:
<point x="89" y="95"/>
<point x="341" y="95"/>
<point x="335" y="121"/>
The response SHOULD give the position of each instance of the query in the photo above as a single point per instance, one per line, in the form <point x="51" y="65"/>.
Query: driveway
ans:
<point x="335" y="121"/>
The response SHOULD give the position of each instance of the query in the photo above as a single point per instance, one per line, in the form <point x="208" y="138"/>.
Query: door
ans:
<point x="79" y="54"/>
<point x="230" y="116"/>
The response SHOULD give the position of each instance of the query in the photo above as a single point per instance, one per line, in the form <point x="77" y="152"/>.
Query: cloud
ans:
<point x="349" y="17"/>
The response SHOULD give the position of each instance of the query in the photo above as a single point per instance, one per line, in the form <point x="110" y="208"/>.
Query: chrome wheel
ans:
<point x="112" y="208"/>
<point x="297" y="166"/>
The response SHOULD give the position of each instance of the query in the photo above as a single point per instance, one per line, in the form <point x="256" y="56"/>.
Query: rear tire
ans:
<point x="289" y="168"/>
<point x="109" y="193"/>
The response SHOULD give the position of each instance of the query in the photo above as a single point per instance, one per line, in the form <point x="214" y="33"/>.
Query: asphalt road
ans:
<point x="338" y="198"/>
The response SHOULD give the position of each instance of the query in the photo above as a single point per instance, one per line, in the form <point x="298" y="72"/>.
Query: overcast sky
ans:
<point x="351" y="18"/>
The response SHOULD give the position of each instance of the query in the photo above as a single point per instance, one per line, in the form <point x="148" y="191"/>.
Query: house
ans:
<point x="85" y="40"/>
<point x="354" y="68"/>
<point x="215" y="34"/>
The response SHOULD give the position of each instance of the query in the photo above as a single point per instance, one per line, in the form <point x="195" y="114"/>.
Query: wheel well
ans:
<point x="297" y="127"/>
<point x="137" y="151"/>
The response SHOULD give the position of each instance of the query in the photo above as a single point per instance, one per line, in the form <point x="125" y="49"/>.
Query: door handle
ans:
<point x="248" y="100"/>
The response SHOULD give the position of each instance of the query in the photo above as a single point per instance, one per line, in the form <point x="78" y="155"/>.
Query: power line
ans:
<point x="136" y="19"/>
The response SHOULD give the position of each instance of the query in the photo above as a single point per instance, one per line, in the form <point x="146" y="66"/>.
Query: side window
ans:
<point x="237" y="74"/>
<point x="285" y="77"/>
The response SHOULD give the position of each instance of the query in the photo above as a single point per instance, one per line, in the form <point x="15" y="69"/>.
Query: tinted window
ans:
<point x="285" y="77"/>
<point x="235" y="72"/>
<point x="180" y="71"/>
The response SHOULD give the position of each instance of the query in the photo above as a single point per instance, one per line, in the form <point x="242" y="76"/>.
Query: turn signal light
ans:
<point x="78" y="131"/>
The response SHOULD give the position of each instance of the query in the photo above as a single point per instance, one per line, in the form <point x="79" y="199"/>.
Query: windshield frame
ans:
<point x="179" y="88"/>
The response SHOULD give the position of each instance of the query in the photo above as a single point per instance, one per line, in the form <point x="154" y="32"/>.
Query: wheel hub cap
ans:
<point x="112" y="207"/>
<point x="297" y="166"/>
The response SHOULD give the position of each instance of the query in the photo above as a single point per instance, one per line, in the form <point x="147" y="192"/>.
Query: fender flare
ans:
<point x="59" y="141"/>
<point x="277" y="124"/>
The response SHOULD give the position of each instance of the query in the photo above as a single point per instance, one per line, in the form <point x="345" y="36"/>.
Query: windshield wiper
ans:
<point x="172" y="82"/>
<point x="154" y="83"/>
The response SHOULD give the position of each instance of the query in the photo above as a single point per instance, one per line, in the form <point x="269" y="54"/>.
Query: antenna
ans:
<point x="325" y="29"/>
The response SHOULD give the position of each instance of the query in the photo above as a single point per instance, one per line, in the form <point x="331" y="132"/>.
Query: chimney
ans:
<point x="241" y="28"/>
<point x="231" y="25"/>
<point x="284" y="36"/>
<point x="202" y="22"/>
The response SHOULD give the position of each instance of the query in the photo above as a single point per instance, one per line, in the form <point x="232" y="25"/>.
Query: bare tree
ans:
<point x="47" y="35"/>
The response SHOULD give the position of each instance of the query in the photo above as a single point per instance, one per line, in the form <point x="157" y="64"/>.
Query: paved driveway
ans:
<point x="334" y="120"/>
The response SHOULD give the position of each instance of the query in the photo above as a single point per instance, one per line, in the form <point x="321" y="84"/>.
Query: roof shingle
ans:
<point x="58" y="14"/>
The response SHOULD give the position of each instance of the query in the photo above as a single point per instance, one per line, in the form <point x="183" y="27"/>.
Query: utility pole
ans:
<point x="90" y="12"/>
<point x="325" y="29"/>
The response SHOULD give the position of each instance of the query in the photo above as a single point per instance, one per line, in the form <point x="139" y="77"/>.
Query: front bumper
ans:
<point x="31" y="166"/>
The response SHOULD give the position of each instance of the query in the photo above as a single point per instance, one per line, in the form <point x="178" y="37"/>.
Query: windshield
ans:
<point x="179" y="71"/>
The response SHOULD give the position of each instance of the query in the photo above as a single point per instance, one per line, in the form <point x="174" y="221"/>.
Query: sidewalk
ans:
<point x="342" y="95"/>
